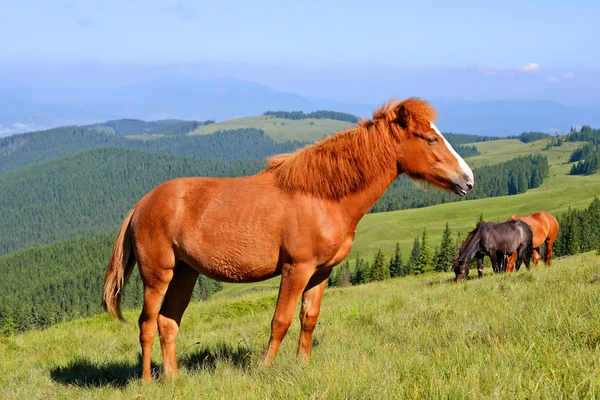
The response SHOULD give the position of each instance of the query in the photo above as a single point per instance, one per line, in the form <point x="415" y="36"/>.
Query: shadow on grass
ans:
<point x="238" y="356"/>
<point x="85" y="373"/>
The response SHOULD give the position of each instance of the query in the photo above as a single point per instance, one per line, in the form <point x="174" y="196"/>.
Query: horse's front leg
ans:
<point x="309" y="313"/>
<point x="480" y="265"/>
<point x="536" y="257"/>
<point x="494" y="261"/>
<point x="294" y="278"/>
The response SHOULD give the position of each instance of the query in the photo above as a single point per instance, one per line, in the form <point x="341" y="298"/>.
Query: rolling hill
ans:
<point x="280" y="129"/>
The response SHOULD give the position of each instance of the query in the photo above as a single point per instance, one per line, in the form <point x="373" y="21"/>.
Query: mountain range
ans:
<point x="25" y="107"/>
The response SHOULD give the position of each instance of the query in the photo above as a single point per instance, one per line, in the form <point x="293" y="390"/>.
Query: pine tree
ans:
<point x="334" y="278"/>
<point x="414" y="255"/>
<point x="356" y="275"/>
<point x="425" y="256"/>
<point x="344" y="277"/>
<point x="446" y="252"/>
<point x="396" y="268"/>
<point x="380" y="269"/>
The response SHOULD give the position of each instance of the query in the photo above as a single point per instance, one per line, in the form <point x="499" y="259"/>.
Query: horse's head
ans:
<point x="461" y="269"/>
<point x="426" y="154"/>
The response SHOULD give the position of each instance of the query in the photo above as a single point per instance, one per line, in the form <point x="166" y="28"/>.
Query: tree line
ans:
<point x="587" y="159"/>
<point x="135" y="126"/>
<point x="528" y="137"/>
<point x="422" y="258"/>
<point x="320" y="114"/>
<point x="579" y="230"/>
<point x="504" y="179"/>
<point x="24" y="149"/>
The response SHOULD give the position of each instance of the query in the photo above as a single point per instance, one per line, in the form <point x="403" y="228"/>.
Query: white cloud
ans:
<point x="569" y="75"/>
<point x="553" y="79"/>
<point x="531" y="67"/>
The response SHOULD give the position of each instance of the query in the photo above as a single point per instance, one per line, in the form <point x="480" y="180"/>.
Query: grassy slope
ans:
<point x="280" y="129"/>
<point x="525" y="335"/>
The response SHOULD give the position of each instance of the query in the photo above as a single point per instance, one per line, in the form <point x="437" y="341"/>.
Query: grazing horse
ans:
<point x="494" y="239"/>
<point x="297" y="218"/>
<point x="545" y="231"/>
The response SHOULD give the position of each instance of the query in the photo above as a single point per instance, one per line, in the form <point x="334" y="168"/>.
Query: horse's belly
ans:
<point x="234" y="259"/>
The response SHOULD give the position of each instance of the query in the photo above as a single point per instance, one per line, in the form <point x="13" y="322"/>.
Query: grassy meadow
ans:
<point x="280" y="129"/>
<point x="531" y="334"/>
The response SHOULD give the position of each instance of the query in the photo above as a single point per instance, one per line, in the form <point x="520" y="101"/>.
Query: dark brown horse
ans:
<point x="496" y="240"/>
<point x="297" y="219"/>
<point x="545" y="231"/>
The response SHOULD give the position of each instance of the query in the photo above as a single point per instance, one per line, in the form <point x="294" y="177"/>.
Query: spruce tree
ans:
<point x="446" y="252"/>
<point x="380" y="269"/>
<point x="344" y="277"/>
<point x="334" y="278"/>
<point x="414" y="255"/>
<point x="425" y="256"/>
<point x="396" y="268"/>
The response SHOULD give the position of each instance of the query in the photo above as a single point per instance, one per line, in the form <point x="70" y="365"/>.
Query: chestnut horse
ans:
<point x="494" y="239"/>
<point x="297" y="219"/>
<point x="545" y="231"/>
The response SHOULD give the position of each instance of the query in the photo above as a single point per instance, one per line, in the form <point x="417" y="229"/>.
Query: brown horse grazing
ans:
<point x="297" y="219"/>
<point x="494" y="239"/>
<point x="545" y="231"/>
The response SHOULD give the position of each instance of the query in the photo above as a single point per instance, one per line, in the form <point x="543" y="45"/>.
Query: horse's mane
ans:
<point x="470" y="237"/>
<point x="348" y="161"/>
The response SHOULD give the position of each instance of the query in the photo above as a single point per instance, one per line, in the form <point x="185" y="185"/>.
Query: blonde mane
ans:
<point x="348" y="161"/>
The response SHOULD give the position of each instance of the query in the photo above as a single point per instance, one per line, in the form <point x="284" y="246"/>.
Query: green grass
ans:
<point x="532" y="334"/>
<point x="280" y="129"/>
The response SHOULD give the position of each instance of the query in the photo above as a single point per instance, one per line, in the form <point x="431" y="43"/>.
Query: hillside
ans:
<point x="29" y="148"/>
<point x="422" y="337"/>
<point x="90" y="191"/>
<point x="280" y="129"/>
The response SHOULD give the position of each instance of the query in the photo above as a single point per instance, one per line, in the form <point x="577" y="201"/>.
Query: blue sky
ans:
<point x="292" y="45"/>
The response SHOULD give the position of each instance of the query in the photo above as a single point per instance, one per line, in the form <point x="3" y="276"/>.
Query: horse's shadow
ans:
<point x="83" y="372"/>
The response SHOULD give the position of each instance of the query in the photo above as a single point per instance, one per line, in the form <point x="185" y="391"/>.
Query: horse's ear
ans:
<point x="404" y="118"/>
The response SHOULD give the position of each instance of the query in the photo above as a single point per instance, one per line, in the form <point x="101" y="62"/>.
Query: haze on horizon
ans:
<point x="352" y="51"/>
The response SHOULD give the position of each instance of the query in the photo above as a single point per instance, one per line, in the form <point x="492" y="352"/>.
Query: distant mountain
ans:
<point x="25" y="107"/>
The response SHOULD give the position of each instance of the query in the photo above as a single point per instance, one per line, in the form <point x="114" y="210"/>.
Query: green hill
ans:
<point x="90" y="191"/>
<point x="281" y="129"/>
<point x="525" y="335"/>
<point x="24" y="149"/>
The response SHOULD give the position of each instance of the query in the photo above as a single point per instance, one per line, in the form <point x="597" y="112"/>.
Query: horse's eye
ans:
<point x="432" y="140"/>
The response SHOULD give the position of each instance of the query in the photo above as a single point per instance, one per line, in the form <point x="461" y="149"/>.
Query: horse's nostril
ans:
<point x="470" y="186"/>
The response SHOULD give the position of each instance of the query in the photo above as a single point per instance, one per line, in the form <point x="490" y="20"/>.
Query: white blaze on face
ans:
<point x="463" y="165"/>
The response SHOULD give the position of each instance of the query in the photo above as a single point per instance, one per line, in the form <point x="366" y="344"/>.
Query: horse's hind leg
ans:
<point x="494" y="261"/>
<point x="309" y="313"/>
<point x="169" y="318"/>
<point x="522" y="257"/>
<point x="510" y="264"/>
<point x="549" y="246"/>
<point x="156" y="271"/>
<point x="294" y="278"/>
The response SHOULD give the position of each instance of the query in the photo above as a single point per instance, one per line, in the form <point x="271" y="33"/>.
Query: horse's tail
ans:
<point x="118" y="271"/>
